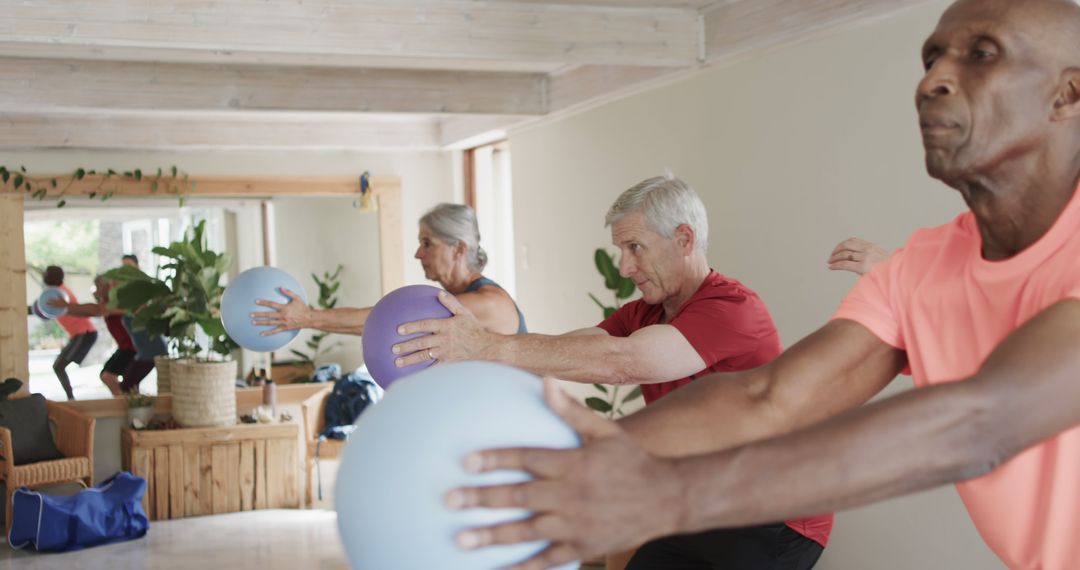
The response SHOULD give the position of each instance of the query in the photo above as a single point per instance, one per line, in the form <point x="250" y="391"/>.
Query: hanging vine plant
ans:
<point x="171" y="181"/>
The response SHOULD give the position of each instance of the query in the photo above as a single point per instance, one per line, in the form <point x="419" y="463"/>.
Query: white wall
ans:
<point x="792" y="151"/>
<point x="313" y="236"/>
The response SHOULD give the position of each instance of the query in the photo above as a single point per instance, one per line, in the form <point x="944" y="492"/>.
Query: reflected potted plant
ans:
<point x="328" y="287"/>
<point x="140" y="410"/>
<point x="184" y="304"/>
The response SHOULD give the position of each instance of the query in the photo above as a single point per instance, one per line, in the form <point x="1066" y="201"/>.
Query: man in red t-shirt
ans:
<point x="690" y="321"/>
<point x="81" y="331"/>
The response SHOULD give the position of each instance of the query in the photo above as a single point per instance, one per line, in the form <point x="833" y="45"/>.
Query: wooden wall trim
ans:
<point x="214" y="186"/>
<point x="14" y="342"/>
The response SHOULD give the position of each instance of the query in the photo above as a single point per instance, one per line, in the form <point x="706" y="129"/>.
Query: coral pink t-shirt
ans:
<point x="938" y="300"/>
<point x="74" y="325"/>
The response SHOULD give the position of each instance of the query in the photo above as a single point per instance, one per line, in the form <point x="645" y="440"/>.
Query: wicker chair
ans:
<point x="74" y="435"/>
<point x="313" y="411"/>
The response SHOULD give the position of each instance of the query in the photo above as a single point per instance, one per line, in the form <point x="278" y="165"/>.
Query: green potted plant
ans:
<point x="610" y="402"/>
<point x="187" y="300"/>
<point x="328" y="287"/>
<point x="140" y="410"/>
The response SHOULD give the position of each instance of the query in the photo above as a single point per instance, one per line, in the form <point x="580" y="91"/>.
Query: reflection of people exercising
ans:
<point x="135" y="349"/>
<point x="82" y="333"/>
<point x="124" y="354"/>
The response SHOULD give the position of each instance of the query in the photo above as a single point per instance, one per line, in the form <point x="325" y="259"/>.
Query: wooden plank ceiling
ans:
<point x="360" y="75"/>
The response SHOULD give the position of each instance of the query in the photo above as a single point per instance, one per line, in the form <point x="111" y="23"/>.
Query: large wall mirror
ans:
<point x="304" y="232"/>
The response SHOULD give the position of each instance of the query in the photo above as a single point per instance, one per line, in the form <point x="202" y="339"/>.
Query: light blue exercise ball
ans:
<point x="238" y="302"/>
<point x="48" y="311"/>
<point x="407" y="452"/>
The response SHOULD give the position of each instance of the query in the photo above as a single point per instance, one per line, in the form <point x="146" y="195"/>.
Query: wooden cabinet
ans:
<point x="204" y="471"/>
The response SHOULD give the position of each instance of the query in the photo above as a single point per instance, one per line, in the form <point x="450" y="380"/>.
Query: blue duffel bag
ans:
<point x="110" y="512"/>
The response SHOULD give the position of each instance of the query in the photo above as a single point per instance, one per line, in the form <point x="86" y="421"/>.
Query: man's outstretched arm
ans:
<point x="838" y="367"/>
<point x="657" y="353"/>
<point x="920" y="439"/>
<point x="1026" y="392"/>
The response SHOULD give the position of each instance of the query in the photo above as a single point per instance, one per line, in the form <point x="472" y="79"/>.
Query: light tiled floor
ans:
<point x="257" y="540"/>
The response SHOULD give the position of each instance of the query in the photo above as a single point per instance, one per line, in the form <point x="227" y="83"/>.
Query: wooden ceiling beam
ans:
<point x="449" y="29"/>
<point x="35" y="131"/>
<point x="42" y="84"/>
<point x="735" y="28"/>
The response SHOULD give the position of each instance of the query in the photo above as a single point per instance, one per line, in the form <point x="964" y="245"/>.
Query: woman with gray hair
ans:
<point x="450" y="254"/>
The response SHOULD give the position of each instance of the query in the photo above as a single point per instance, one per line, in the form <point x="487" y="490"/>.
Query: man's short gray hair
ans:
<point x="454" y="223"/>
<point x="667" y="202"/>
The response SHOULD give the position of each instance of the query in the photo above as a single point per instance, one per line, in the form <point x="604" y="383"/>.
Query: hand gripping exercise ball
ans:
<point x="47" y="311"/>
<point x="407" y="452"/>
<point x="400" y="306"/>
<point x="238" y="303"/>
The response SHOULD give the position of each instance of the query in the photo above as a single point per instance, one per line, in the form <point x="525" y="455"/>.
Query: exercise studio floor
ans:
<point x="255" y="540"/>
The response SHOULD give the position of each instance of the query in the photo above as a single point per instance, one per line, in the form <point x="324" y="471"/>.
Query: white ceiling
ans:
<point x="369" y="74"/>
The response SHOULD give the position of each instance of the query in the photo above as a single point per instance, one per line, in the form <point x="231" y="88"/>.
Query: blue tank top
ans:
<point x="476" y="285"/>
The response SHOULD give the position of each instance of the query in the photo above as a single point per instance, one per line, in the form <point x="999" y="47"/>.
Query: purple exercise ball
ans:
<point x="400" y="306"/>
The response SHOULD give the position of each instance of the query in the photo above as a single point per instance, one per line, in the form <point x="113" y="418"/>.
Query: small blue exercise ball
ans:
<point x="400" y="306"/>
<point x="238" y="302"/>
<point x="406" y="453"/>
<point x="46" y="310"/>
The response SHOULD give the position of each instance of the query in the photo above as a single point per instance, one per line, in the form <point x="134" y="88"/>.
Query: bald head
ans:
<point x="1051" y="26"/>
<point x="1002" y="89"/>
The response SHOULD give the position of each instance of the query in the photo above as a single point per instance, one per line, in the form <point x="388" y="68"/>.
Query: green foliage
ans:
<point x="175" y="182"/>
<point x="139" y="400"/>
<point x="621" y="288"/>
<point x="187" y="299"/>
<point x="328" y="287"/>
<point x="71" y="244"/>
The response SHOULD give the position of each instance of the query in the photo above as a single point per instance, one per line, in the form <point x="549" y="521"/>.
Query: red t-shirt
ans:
<point x="115" y="324"/>
<point x="731" y="329"/>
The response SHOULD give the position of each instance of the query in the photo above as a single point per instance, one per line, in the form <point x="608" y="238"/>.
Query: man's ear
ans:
<point x="1067" y="103"/>
<point x="685" y="237"/>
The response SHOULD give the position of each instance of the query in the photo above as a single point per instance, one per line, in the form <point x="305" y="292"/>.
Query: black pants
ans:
<point x="766" y="547"/>
<point x="136" y="371"/>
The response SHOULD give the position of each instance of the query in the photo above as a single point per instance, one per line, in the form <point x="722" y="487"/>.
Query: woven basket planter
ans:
<point x="203" y="393"/>
<point x="163" y="364"/>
